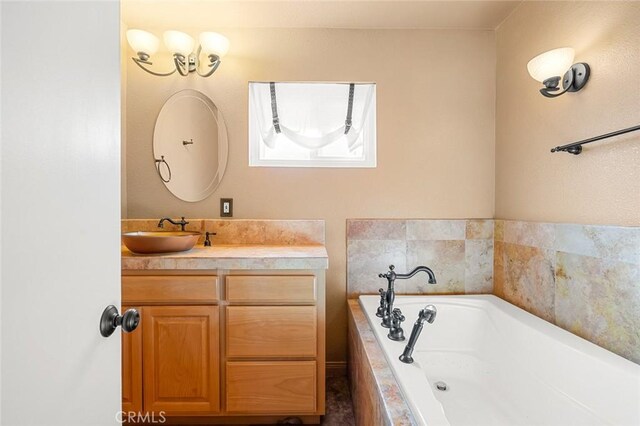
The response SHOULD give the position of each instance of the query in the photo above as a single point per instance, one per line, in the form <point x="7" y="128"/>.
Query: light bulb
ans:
<point x="143" y="41"/>
<point x="553" y="63"/>
<point x="214" y="43"/>
<point x="178" y="42"/>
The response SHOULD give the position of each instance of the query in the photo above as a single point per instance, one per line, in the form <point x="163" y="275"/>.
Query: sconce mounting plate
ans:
<point x="576" y="77"/>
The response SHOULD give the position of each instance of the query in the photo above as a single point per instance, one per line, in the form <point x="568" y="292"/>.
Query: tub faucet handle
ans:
<point x="395" y="331"/>
<point x="383" y="303"/>
<point x="389" y="273"/>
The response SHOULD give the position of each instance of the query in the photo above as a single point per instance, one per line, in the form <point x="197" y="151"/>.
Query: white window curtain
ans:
<point x="311" y="115"/>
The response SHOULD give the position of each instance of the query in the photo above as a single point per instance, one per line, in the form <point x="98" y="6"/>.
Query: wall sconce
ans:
<point x="185" y="61"/>
<point x="549" y="66"/>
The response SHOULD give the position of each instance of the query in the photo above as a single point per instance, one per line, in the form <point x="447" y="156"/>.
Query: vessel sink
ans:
<point x="149" y="242"/>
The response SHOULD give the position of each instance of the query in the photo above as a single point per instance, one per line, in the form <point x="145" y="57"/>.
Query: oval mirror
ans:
<point x="190" y="145"/>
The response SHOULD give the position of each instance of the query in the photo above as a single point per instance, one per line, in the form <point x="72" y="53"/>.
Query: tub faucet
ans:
<point x="395" y="331"/>
<point x="391" y="277"/>
<point x="428" y="314"/>
<point x="182" y="222"/>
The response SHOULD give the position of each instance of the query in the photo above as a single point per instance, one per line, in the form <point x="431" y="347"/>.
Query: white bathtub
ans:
<point x="504" y="366"/>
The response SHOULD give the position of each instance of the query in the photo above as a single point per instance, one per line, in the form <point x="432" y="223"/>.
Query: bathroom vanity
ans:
<point x="233" y="334"/>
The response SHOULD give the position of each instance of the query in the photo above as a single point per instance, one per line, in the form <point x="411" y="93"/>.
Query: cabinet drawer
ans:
<point x="271" y="331"/>
<point x="271" y="387"/>
<point x="272" y="289"/>
<point x="169" y="289"/>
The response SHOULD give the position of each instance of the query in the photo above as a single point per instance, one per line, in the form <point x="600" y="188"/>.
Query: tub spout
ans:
<point x="428" y="314"/>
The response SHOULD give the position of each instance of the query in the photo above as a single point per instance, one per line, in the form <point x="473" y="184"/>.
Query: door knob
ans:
<point x="111" y="319"/>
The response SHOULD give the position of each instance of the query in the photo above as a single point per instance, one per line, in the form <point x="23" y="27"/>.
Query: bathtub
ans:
<point x="504" y="366"/>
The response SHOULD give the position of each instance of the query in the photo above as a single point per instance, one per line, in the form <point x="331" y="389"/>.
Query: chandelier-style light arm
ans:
<point x="213" y="64"/>
<point x="140" y="63"/>
<point x="181" y="64"/>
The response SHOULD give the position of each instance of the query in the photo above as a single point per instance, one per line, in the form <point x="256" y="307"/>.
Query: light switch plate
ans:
<point x="226" y="207"/>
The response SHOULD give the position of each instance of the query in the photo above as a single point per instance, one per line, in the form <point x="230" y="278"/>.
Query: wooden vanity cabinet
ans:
<point x="274" y="345"/>
<point x="132" y="368"/>
<point x="250" y="348"/>
<point x="171" y="363"/>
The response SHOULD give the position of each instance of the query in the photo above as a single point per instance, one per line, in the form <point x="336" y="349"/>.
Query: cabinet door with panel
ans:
<point x="181" y="359"/>
<point x="132" y="369"/>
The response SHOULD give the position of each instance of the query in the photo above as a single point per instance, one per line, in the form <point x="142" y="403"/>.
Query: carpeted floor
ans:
<point x="339" y="411"/>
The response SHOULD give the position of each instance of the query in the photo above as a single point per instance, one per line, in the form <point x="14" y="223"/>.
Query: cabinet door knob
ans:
<point x="111" y="319"/>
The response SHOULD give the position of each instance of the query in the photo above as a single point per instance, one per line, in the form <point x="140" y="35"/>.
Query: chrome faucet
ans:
<point x="182" y="222"/>
<point x="428" y="314"/>
<point x="390" y="294"/>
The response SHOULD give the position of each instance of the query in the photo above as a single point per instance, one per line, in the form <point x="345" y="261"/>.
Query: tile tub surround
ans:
<point x="583" y="278"/>
<point x="243" y="231"/>
<point x="460" y="252"/>
<point x="377" y="398"/>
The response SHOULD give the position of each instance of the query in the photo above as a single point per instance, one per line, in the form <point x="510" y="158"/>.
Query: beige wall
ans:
<point x="602" y="185"/>
<point x="436" y="97"/>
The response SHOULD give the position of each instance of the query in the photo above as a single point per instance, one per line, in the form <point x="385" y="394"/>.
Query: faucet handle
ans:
<point x="397" y="316"/>
<point x="391" y="268"/>
<point x="383" y="303"/>
<point x="395" y="331"/>
<point x="207" y="241"/>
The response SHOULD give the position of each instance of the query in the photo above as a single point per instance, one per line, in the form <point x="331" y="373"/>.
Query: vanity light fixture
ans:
<point x="182" y="46"/>
<point x="549" y="66"/>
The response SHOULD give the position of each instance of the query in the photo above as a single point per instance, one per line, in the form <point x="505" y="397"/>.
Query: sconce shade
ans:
<point x="178" y="42"/>
<point x="553" y="63"/>
<point x="214" y="43"/>
<point x="143" y="41"/>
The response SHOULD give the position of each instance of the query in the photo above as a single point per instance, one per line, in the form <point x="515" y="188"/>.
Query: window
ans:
<point x="312" y="124"/>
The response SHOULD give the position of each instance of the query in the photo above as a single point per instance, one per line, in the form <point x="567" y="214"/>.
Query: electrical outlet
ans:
<point x="226" y="207"/>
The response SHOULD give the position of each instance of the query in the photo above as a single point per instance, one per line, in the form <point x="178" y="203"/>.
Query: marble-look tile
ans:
<point x="498" y="230"/>
<point x="428" y="229"/>
<point x="368" y="258"/>
<point x="498" y="268"/>
<point x="529" y="279"/>
<point x="376" y="229"/>
<point x="479" y="229"/>
<point x="236" y="231"/>
<point x="243" y="231"/>
<point x="532" y="234"/>
<point x="599" y="300"/>
<point x="612" y="242"/>
<point x="377" y="398"/>
<point x="231" y="257"/>
<point x="294" y="232"/>
<point x="445" y="258"/>
<point x="478" y="275"/>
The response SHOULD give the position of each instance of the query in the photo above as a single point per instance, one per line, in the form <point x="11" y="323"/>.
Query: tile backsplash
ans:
<point x="583" y="278"/>
<point x="243" y="231"/>
<point x="460" y="252"/>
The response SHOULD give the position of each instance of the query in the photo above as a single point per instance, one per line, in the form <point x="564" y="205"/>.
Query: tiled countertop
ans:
<point x="245" y="256"/>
